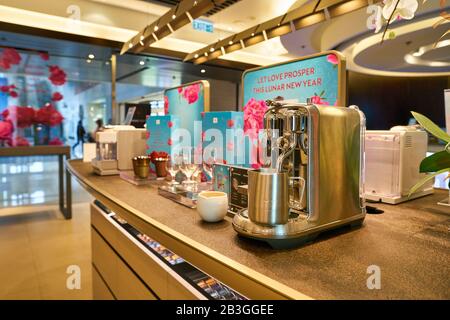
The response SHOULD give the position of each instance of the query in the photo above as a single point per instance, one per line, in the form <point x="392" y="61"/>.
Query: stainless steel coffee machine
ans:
<point x="311" y="179"/>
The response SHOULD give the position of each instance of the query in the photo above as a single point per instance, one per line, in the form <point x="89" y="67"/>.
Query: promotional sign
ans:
<point x="188" y="102"/>
<point x="223" y="133"/>
<point x="160" y="133"/>
<point x="221" y="178"/>
<point x="319" y="78"/>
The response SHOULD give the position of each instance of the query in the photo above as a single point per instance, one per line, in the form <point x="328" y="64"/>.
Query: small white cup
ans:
<point x="212" y="205"/>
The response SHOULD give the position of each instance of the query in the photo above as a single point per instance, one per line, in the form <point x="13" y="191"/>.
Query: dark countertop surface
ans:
<point x="410" y="243"/>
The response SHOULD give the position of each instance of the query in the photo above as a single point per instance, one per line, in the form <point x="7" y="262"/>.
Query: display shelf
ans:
<point x="209" y="287"/>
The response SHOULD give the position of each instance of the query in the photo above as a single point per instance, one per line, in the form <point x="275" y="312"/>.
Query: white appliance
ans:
<point x="392" y="161"/>
<point x="115" y="148"/>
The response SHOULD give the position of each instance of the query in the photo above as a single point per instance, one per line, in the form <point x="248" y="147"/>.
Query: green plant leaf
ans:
<point x="425" y="180"/>
<point x="431" y="127"/>
<point x="438" y="161"/>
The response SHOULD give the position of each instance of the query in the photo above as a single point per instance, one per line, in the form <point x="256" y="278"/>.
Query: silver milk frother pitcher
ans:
<point x="268" y="197"/>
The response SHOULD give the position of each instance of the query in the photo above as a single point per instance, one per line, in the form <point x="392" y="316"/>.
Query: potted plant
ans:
<point x="438" y="162"/>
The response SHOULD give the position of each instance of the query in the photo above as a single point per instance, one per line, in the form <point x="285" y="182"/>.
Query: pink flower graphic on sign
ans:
<point x="170" y="124"/>
<point x="203" y="135"/>
<point x="191" y="93"/>
<point x="230" y="123"/>
<point x="169" y="142"/>
<point x="253" y="116"/>
<point x="332" y="58"/>
<point x="318" y="100"/>
<point x="166" y="105"/>
<point x="180" y="90"/>
<point x="202" y="114"/>
<point x="147" y="134"/>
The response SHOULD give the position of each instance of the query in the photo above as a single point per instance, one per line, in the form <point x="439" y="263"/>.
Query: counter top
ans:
<point x="410" y="243"/>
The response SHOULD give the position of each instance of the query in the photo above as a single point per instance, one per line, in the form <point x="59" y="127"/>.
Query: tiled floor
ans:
<point x="37" y="245"/>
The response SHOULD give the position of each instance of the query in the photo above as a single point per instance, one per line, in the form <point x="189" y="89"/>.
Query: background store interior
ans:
<point x="375" y="84"/>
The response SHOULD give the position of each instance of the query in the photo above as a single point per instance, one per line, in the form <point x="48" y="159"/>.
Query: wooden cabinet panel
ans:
<point x="125" y="284"/>
<point x="100" y="290"/>
<point x="130" y="287"/>
<point x="103" y="259"/>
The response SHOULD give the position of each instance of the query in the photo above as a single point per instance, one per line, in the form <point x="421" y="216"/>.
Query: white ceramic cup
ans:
<point x="212" y="205"/>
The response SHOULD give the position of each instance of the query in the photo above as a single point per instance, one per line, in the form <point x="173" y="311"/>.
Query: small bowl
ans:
<point x="212" y="206"/>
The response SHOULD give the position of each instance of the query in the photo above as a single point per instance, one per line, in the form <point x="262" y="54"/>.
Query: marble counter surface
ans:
<point x="410" y="243"/>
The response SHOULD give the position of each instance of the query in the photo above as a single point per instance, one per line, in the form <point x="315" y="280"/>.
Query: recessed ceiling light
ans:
<point x="196" y="56"/>
<point x="203" y="71"/>
<point x="156" y="28"/>
<point x="253" y="34"/>
<point x="130" y="45"/>
<point x="206" y="54"/>
<point x="230" y="42"/>
<point x="212" y="49"/>
<point x="141" y="62"/>
<point x="91" y="56"/>
<point x="88" y="60"/>
<point x="174" y="17"/>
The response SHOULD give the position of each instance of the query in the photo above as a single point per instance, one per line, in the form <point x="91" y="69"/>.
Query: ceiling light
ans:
<point x="88" y="60"/>
<point x="156" y="28"/>
<point x="141" y="62"/>
<point x="206" y="54"/>
<point x="107" y="63"/>
<point x="253" y="34"/>
<point x="91" y="56"/>
<point x="174" y="17"/>
<point x="203" y="71"/>
<point x="130" y="45"/>
<point x="230" y="42"/>
<point x="212" y="49"/>
<point x="196" y="55"/>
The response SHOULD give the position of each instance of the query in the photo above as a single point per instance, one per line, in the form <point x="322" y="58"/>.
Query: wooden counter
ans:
<point x="409" y="243"/>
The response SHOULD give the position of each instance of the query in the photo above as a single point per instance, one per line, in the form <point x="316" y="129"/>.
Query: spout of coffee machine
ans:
<point x="287" y="151"/>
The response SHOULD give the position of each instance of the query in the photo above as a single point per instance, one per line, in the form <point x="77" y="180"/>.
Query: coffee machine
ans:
<point x="115" y="148"/>
<point x="311" y="179"/>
